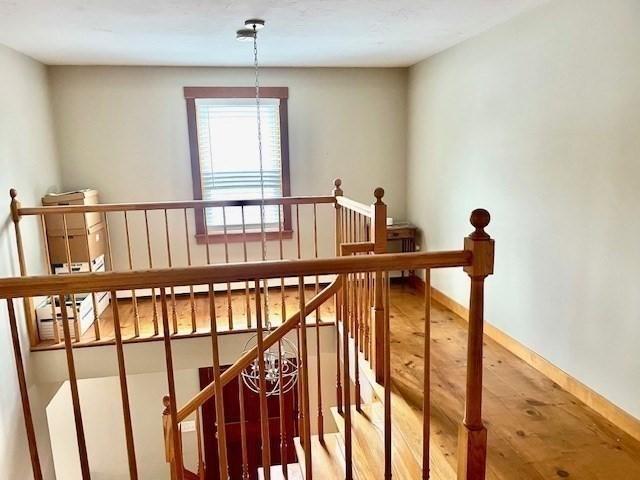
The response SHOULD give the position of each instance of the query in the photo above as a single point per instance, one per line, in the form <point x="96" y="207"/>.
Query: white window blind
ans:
<point x="229" y="162"/>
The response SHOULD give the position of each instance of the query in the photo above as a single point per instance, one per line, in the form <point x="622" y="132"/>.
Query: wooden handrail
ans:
<point x="16" y="287"/>
<point x="245" y="360"/>
<point x="358" y="207"/>
<point x="172" y="205"/>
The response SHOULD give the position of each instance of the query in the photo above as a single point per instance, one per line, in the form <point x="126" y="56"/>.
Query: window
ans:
<point x="224" y="154"/>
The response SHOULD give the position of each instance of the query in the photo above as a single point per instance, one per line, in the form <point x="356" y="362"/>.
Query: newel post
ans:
<point x="337" y="192"/>
<point x="379" y="237"/>
<point x="472" y="439"/>
<point x="28" y="301"/>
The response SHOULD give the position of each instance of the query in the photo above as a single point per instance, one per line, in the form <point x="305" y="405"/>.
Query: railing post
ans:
<point x="28" y="301"/>
<point x="472" y="439"/>
<point x="379" y="237"/>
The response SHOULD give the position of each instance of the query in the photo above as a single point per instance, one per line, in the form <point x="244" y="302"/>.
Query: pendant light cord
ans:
<point x="260" y="158"/>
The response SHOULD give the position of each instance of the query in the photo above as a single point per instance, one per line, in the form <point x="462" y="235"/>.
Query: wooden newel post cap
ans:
<point x="480" y="218"/>
<point x="480" y="244"/>
<point x="337" y="183"/>
<point x="378" y="193"/>
<point x="166" y="401"/>
<point x="15" y="205"/>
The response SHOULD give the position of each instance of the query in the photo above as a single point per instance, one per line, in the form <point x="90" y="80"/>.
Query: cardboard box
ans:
<point x="84" y="306"/>
<point x="84" y="245"/>
<point x="75" y="221"/>
<point x="97" y="265"/>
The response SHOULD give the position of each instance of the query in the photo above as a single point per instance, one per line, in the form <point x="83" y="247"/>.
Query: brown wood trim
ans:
<point x="232" y="272"/>
<point x="239" y="237"/>
<point x="284" y="152"/>
<point x="591" y="398"/>
<point x="196" y="177"/>
<point x="235" y="92"/>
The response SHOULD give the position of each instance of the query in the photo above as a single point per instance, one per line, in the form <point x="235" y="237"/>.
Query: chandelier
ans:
<point x="280" y="360"/>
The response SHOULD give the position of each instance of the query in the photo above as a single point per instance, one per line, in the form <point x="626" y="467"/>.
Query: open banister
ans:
<point x="358" y="277"/>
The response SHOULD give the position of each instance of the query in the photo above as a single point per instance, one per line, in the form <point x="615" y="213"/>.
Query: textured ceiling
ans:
<point x="202" y="32"/>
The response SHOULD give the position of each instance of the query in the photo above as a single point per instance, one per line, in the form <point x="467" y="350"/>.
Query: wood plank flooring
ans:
<point x="237" y="321"/>
<point x="536" y="429"/>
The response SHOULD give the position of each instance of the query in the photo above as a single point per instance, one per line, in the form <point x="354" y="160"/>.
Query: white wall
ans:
<point x="28" y="162"/>
<point x="124" y="131"/>
<point x="538" y="120"/>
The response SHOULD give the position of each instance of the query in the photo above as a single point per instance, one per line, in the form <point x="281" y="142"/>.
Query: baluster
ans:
<point x="63" y="305"/>
<point x="283" y="425"/>
<point x="153" y="290"/>
<point x="283" y="305"/>
<point x="206" y="230"/>
<point x="472" y="439"/>
<point x="243" y="431"/>
<point x="304" y="369"/>
<point x="73" y="384"/>
<point x="47" y="259"/>
<point x="94" y="301"/>
<point x="346" y="384"/>
<point x="174" y="314"/>
<point x="226" y="259"/>
<point x="387" y="379"/>
<point x="426" y="377"/>
<point x="356" y="342"/>
<point x="318" y="362"/>
<point x="124" y="390"/>
<point x="301" y="323"/>
<point x="247" y="297"/>
<point x="201" y="470"/>
<point x="134" y="300"/>
<point x="24" y="392"/>
<point x="283" y="315"/>
<point x="219" y="399"/>
<point x="194" y="326"/>
<point x="173" y="414"/>
<point x="264" y="415"/>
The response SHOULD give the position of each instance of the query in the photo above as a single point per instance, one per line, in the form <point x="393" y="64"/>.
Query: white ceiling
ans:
<point x="202" y="32"/>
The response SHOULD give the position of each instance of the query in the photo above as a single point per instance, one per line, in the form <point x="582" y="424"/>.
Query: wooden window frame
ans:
<point x="191" y="94"/>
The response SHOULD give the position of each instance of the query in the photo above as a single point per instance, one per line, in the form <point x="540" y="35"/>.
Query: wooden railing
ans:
<point x="154" y="234"/>
<point x="360" y="288"/>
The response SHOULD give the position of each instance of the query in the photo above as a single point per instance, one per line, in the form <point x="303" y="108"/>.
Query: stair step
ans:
<point x="294" y="472"/>
<point x="326" y="457"/>
<point x="367" y="427"/>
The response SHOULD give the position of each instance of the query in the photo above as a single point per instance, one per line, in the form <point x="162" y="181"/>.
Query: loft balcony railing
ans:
<point x="355" y="279"/>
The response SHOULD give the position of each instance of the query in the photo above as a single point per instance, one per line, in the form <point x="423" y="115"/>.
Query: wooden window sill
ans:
<point x="239" y="237"/>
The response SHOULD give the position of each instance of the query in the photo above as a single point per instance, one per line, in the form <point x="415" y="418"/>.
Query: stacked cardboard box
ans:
<point x="84" y="234"/>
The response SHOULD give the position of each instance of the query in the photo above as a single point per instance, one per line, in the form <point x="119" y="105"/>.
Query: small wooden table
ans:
<point x="405" y="233"/>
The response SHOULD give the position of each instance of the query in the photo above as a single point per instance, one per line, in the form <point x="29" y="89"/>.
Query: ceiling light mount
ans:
<point x="254" y="23"/>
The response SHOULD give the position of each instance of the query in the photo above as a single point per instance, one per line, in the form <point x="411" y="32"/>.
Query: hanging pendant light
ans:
<point x="280" y="360"/>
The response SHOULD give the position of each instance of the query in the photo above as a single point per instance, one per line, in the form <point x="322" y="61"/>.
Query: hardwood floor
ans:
<point x="536" y="429"/>
<point x="183" y="315"/>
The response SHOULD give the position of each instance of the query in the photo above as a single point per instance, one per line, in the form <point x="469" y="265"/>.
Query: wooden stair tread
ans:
<point x="326" y="457"/>
<point x="368" y="445"/>
<point x="293" y="470"/>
